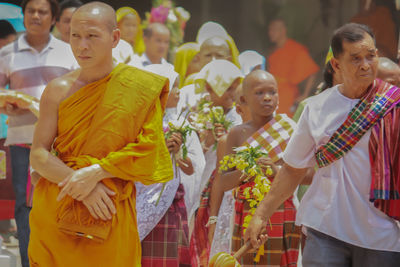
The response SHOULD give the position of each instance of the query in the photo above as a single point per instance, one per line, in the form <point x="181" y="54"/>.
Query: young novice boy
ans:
<point x="271" y="133"/>
<point x="221" y="202"/>
<point x="220" y="79"/>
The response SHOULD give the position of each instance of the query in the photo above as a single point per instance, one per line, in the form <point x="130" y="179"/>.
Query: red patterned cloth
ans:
<point x="199" y="245"/>
<point x="282" y="246"/>
<point x="384" y="146"/>
<point x="167" y="245"/>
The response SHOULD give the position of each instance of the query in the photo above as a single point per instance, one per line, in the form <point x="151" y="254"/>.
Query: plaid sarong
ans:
<point x="199" y="245"/>
<point x="384" y="151"/>
<point x="168" y="243"/>
<point x="281" y="248"/>
<point x="379" y="100"/>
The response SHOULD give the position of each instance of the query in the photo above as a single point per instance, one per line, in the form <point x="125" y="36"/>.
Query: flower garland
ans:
<point x="245" y="160"/>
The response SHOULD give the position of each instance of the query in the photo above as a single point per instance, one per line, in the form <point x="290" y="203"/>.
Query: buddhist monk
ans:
<point x="99" y="131"/>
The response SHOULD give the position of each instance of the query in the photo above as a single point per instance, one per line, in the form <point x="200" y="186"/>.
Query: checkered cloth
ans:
<point x="199" y="245"/>
<point x="379" y="100"/>
<point x="281" y="248"/>
<point x="167" y="245"/>
<point x="384" y="147"/>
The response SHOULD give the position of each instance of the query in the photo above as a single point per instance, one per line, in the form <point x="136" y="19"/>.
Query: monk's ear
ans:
<point x="243" y="99"/>
<point x="335" y="64"/>
<point x="116" y="35"/>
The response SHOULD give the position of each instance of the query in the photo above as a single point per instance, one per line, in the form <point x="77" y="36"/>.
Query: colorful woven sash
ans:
<point x="380" y="99"/>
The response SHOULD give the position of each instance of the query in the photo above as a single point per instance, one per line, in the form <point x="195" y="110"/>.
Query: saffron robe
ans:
<point x="115" y="122"/>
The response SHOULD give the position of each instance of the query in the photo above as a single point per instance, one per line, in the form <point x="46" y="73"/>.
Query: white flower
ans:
<point x="240" y="148"/>
<point x="185" y="15"/>
<point x="171" y="16"/>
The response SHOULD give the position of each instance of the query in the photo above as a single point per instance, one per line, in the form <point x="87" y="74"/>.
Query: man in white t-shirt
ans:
<point x="342" y="225"/>
<point x="156" y="37"/>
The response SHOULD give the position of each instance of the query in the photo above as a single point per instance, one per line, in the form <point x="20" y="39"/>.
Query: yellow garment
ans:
<point x="184" y="55"/>
<point x="234" y="51"/>
<point x="219" y="74"/>
<point x="329" y="56"/>
<point x="190" y="79"/>
<point x="117" y="123"/>
<point x="139" y="43"/>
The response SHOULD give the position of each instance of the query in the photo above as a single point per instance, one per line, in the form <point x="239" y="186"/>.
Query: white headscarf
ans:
<point x="164" y="70"/>
<point x="211" y="29"/>
<point x="219" y="74"/>
<point x="249" y="59"/>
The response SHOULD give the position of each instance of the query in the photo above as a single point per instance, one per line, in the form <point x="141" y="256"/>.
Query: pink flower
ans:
<point x="159" y="14"/>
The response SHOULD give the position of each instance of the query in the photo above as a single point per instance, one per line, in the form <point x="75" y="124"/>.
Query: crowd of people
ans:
<point x="137" y="161"/>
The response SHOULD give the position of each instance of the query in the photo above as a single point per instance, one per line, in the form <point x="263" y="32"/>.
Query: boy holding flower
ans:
<point x="261" y="141"/>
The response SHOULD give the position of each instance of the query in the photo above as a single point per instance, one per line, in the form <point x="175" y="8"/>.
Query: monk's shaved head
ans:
<point x="256" y="77"/>
<point x="216" y="41"/>
<point x="98" y="11"/>
<point x="387" y="64"/>
<point x="388" y="71"/>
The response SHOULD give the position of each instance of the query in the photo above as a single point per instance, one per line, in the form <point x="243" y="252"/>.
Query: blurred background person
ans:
<point x="291" y="64"/>
<point x="129" y="23"/>
<point x="67" y="8"/>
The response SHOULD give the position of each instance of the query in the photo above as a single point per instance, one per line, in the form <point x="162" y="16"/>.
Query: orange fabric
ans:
<point x="116" y="122"/>
<point x="380" y="20"/>
<point x="291" y="64"/>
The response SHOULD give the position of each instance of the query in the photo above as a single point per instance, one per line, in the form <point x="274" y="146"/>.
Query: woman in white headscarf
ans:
<point x="251" y="60"/>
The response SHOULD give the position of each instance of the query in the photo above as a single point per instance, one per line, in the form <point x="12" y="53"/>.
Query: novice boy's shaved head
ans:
<point x="99" y="11"/>
<point x="255" y="77"/>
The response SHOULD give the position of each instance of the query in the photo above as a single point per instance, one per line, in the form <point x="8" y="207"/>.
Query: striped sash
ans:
<point x="381" y="98"/>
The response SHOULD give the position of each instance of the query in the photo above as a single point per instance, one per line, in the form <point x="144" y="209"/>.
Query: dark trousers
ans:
<point x="20" y="168"/>
<point x="322" y="250"/>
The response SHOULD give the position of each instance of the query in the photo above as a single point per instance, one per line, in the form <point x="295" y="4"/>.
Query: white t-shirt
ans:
<point x="28" y="71"/>
<point x="337" y="202"/>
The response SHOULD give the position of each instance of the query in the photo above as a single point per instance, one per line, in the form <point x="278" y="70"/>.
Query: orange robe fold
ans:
<point x="117" y="123"/>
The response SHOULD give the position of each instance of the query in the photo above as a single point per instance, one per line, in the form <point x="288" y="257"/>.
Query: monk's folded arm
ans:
<point x="283" y="187"/>
<point x="42" y="161"/>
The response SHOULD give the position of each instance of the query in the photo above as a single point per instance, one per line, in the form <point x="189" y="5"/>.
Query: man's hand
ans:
<point x="186" y="165"/>
<point x="99" y="203"/>
<point x="254" y="230"/>
<point x="266" y="163"/>
<point x="174" y="143"/>
<point x="80" y="183"/>
<point x="12" y="110"/>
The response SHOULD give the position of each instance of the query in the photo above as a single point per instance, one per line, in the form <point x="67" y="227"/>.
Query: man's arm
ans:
<point x="283" y="187"/>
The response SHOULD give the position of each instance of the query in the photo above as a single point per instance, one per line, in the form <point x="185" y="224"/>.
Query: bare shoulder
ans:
<point x="239" y="134"/>
<point x="60" y="88"/>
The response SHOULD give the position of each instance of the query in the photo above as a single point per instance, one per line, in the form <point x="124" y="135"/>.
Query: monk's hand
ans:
<point x="174" y="143"/>
<point x="254" y="231"/>
<point x="81" y="182"/>
<point x="186" y="165"/>
<point x="267" y="166"/>
<point x="99" y="203"/>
